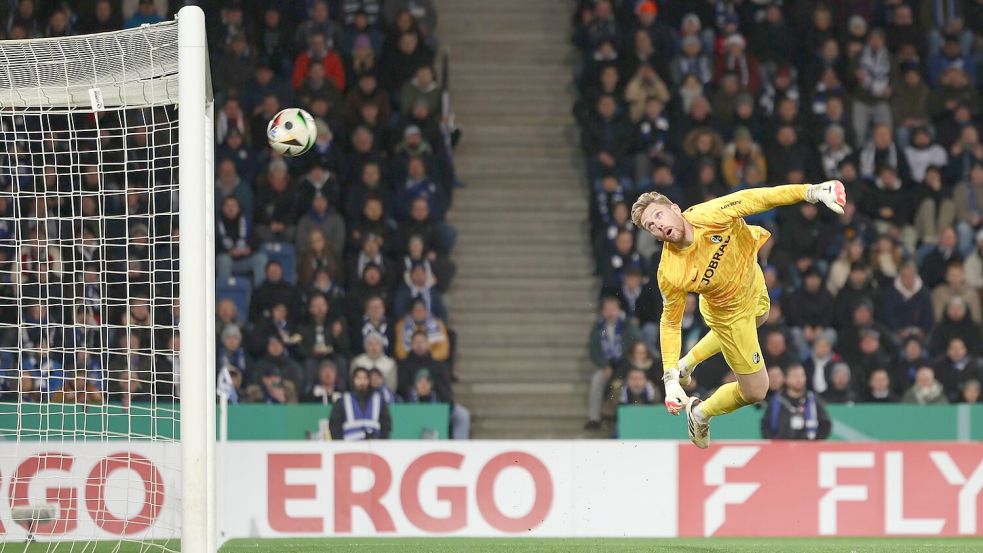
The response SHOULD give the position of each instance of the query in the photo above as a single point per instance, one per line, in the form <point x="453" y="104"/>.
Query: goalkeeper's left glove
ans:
<point x="832" y="193"/>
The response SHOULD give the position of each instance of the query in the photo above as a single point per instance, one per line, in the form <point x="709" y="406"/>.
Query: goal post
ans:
<point x="107" y="286"/>
<point x="197" y="240"/>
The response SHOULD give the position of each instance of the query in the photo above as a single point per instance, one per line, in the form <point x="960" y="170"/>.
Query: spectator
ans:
<point x="692" y="62"/>
<point x="952" y="56"/>
<point x="273" y="388"/>
<point x="734" y="58"/>
<point x="970" y="392"/>
<point x="276" y="206"/>
<point x="279" y="374"/>
<point x="231" y="354"/>
<point x="739" y="154"/>
<point x="872" y="69"/>
<point x="274" y="290"/>
<point x="968" y="199"/>
<point x="907" y="303"/>
<point x="418" y="286"/>
<point x="418" y="184"/>
<point x="841" y="389"/>
<point x="318" y="255"/>
<point x="955" y="286"/>
<point x="796" y="413"/>
<point x="935" y="209"/>
<point x="609" y="339"/>
<point x="820" y="363"/>
<point x="909" y="102"/>
<point x="923" y="153"/>
<point x="236" y="245"/>
<point x="375" y="358"/>
<point x="324" y="336"/>
<point x="879" y="388"/>
<point x="638" y="390"/>
<point x="419" y="319"/>
<point x="423" y="86"/>
<point x="926" y="390"/>
<point x="327" y="389"/>
<point x="424" y="391"/>
<point x="146" y="14"/>
<point x="833" y="150"/>
<point x="375" y="321"/>
<point x="361" y="414"/>
<point x="402" y="58"/>
<point x="228" y="182"/>
<point x="320" y="50"/>
<point x="939" y="257"/>
<point x="956" y="367"/>
<point x="645" y="85"/>
<point x="914" y="355"/>
<point x="881" y="151"/>
<point x="420" y="358"/>
<point x="378" y="383"/>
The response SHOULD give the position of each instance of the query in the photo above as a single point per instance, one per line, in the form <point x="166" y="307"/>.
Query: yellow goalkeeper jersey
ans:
<point x="719" y="264"/>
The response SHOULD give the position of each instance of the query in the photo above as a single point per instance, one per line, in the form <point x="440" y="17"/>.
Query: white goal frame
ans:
<point x="197" y="282"/>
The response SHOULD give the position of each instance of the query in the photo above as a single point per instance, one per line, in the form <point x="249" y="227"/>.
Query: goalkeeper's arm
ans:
<point x="670" y="341"/>
<point x="758" y="200"/>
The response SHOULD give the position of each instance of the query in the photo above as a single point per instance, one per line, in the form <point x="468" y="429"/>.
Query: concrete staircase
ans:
<point x="524" y="297"/>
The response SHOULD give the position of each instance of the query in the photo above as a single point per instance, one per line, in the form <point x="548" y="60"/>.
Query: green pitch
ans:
<point x="532" y="545"/>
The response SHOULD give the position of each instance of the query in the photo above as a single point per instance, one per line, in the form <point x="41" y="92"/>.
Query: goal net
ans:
<point x="95" y="302"/>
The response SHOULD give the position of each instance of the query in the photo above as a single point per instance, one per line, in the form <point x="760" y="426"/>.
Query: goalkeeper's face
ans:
<point x="665" y="222"/>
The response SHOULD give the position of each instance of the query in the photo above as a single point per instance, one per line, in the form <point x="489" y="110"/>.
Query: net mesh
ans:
<point x="89" y="303"/>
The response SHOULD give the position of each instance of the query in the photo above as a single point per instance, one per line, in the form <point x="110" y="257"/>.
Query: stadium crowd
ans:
<point x="698" y="99"/>
<point x="329" y="264"/>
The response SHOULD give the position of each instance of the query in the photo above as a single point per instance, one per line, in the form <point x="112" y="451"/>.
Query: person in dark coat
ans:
<point x="907" y="303"/>
<point x="956" y="367"/>
<point x="796" y="413"/>
<point x="272" y="291"/>
<point x="955" y="323"/>
<point x="841" y="389"/>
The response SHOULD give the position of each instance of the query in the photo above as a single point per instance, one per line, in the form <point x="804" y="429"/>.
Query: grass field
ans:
<point x="533" y="545"/>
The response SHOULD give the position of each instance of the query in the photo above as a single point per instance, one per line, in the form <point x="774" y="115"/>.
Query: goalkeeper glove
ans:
<point x="676" y="397"/>
<point x="830" y="193"/>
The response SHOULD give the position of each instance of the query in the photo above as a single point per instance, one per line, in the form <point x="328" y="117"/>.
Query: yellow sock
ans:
<point x="707" y="347"/>
<point x="725" y="400"/>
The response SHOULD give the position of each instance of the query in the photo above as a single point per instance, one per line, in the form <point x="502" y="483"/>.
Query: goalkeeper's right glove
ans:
<point x="831" y="193"/>
<point x="676" y="397"/>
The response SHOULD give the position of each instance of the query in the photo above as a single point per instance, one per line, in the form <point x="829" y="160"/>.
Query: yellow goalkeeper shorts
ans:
<point x="739" y="338"/>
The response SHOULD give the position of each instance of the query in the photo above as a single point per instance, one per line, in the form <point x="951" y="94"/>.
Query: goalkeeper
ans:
<point x="710" y="250"/>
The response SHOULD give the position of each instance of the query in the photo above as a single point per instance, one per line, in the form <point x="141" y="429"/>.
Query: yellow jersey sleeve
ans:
<point x="670" y="325"/>
<point x="722" y="210"/>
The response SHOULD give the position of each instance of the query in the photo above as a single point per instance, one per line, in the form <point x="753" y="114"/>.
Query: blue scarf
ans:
<point x="611" y="344"/>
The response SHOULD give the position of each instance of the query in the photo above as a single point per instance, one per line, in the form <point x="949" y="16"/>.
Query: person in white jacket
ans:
<point x="375" y="358"/>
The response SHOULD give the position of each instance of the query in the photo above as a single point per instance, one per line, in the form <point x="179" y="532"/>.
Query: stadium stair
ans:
<point x="525" y="295"/>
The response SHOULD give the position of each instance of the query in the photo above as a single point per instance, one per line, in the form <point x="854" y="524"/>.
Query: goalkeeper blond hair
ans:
<point x="643" y="202"/>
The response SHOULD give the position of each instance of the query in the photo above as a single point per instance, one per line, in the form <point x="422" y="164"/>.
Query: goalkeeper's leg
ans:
<point x="739" y="345"/>
<point x="707" y="347"/>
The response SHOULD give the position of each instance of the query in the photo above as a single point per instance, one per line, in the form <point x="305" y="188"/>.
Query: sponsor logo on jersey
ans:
<point x="714" y="262"/>
<point x="756" y="357"/>
<point x="730" y="204"/>
<point x="716" y="238"/>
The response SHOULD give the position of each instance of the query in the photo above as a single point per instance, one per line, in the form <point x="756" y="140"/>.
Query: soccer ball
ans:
<point x="291" y="132"/>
